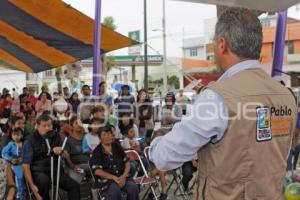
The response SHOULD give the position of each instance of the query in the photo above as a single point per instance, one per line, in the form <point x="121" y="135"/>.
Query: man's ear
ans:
<point x="222" y="45"/>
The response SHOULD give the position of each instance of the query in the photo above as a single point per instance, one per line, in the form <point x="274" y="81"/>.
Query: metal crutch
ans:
<point x="58" y="170"/>
<point x="52" y="170"/>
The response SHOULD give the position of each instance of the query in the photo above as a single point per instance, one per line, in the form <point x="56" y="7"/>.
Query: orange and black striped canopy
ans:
<point x="38" y="35"/>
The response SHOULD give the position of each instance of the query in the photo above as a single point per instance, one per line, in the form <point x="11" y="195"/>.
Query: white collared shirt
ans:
<point x="208" y="119"/>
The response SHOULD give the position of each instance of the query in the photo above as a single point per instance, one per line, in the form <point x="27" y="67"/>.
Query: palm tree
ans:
<point x="108" y="62"/>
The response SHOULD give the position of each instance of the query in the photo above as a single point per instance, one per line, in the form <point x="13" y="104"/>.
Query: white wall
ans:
<point x="12" y="79"/>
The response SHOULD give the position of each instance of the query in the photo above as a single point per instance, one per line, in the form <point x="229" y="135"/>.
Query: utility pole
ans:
<point x="145" y="47"/>
<point x="165" y="80"/>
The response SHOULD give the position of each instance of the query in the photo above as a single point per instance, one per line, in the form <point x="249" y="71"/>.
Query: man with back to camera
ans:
<point x="37" y="162"/>
<point x="241" y="126"/>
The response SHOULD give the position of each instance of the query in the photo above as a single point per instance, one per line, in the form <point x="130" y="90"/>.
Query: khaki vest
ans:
<point x="239" y="167"/>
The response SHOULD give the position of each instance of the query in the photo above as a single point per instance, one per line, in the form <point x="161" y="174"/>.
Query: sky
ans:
<point x="183" y="20"/>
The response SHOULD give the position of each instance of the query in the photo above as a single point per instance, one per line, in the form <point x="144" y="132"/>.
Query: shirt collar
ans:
<point x="248" y="64"/>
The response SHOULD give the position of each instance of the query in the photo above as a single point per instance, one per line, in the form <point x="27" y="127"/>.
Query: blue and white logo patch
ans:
<point x="263" y="124"/>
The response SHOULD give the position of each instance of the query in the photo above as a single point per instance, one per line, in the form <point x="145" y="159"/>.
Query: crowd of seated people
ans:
<point x="99" y="129"/>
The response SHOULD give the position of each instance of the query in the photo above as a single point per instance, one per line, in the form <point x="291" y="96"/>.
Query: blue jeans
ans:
<point x="114" y="192"/>
<point x="293" y="154"/>
<point x="19" y="179"/>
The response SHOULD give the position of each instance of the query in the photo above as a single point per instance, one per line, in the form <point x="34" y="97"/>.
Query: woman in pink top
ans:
<point x="43" y="104"/>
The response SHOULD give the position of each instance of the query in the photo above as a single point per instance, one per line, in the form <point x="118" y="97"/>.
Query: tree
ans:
<point x="108" y="62"/>
<point x="174" y="81"/>
<point x="109" y="22"/>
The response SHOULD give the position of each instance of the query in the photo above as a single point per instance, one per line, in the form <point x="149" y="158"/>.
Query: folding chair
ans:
<point x="143" y="180"/>
<point x="190" y="189"/>
<point x="146" y="153"/>
<point x="95" y="186"/>
<point x="176" y="178"/>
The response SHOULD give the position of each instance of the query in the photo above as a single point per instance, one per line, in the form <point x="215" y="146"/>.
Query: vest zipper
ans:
<point x="203" y="190"/>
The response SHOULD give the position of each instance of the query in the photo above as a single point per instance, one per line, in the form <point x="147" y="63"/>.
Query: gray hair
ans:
<point x="242" y="31"/>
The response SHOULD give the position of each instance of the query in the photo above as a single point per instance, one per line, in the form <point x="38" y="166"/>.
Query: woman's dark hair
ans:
<point x="123" y="127"/>
<point x="101" y="83"/>
<point x="28" y="113"/>
<point x="12" y="121"/>
<point x="39" y="98"/>
<point x="147" y="99"/>
<point x="126" y="130"/>
<point x="105" y="128"/>
<point x="95" y="120"/>
<point x="73" y="94"/>
<point x="73" y="119"/>
<point x="170" y="94"/>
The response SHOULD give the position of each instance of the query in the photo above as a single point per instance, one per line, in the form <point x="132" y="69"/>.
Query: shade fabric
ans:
<point x="263" y="5"/>
<point x="38" y="35"/>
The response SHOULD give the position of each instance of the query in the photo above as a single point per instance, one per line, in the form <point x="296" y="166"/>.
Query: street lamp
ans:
<point x="164" y="47"/>
<point x="165" y="80"/>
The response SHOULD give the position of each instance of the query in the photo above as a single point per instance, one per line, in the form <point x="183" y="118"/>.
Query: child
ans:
<point x="130" y="141"/>
<point x="12" y="153"/>
<point x="91" y="140"/>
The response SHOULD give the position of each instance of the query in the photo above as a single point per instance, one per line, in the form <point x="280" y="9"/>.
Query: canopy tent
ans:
<point x="37" y="35"/>
<point x="264" y="5"/>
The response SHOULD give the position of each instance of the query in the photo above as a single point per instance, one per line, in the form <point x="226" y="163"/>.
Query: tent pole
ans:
<point x="279" y="44"/>
<point x="97" y="48"/>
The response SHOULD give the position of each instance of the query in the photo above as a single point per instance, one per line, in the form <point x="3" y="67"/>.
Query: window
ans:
<point x="290" y="45"/>
<point x="48" y="73"/>
<point x="210" y="57"/>
<point x="266" y="23"/>
<point x="193" y="52"/>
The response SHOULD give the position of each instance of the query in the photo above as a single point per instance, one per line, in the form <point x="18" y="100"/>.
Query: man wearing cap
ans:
<point x="241" y="126"/>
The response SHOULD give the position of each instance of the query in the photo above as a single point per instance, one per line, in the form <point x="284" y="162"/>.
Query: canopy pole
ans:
<point x="97" y="48"/>
<point x="279" y="44"/>
<point x="145" y="47"/>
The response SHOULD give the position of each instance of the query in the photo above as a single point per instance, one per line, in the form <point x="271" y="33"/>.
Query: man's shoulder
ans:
<point x="31" y="137"/>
